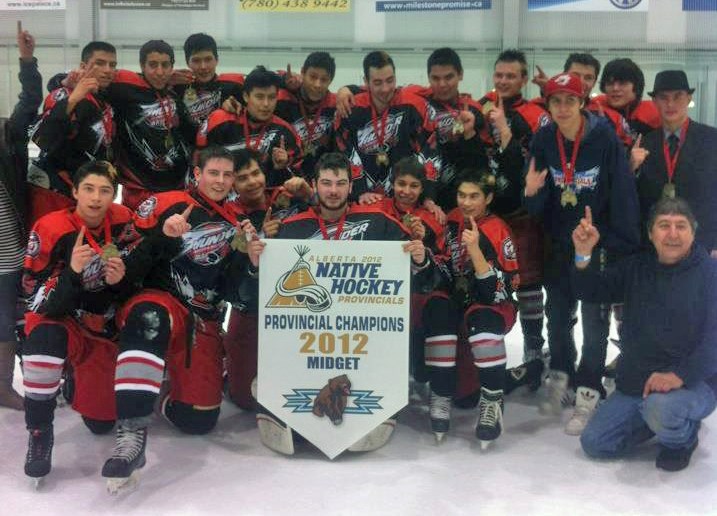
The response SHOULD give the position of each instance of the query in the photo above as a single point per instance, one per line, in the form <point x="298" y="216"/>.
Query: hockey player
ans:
<point x="511" y="124"/>
<point x="581" y="163"/>
<point x="175" y="323"/>
<point x="75" y="277"/>
<point x="200" y="88"/>
<point x="476" y="291"/>
<point x="386" y="124"/>
<point x="257" y="128"/>
<point x="311" y="110"/>
<point x="266" y="209"/>
<point x="335" y="219"/>
<point x="153" y="129"/>
<point x="77" y="126"/>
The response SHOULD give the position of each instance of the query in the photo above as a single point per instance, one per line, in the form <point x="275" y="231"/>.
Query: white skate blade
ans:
<point x="439" y="436"/>
<point x="119" y="485"/>
<point x="484" y="445"/>
<point x="37" y="483"/>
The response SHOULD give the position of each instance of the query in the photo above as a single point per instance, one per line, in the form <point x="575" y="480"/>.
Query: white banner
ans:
<point x="589" y="5"/>
<point x="31" y="5"/>
<point x="333" y="337"/>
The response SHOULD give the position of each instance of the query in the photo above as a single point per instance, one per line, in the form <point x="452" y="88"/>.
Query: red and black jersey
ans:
<point x="314" y="125"/>
<point x="192" y="268"/>
<point x="455" y="153"/>
<point x="200" y="99"/>
<point x="68" y="141"/>
<point x="235" y="132"/>
<point x="360" y="223"/>
<point x="496" y="243"/>
<point x="53" y="289"/>
<point x="641" y="116"/>
<point x="402" y="130"/>
<point x="434" y="239"/>
<point x="524" y="119"/>
<point x="153" y="131"/>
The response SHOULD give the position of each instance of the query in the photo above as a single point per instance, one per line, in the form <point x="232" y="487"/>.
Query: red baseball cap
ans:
<point x="565" y="83"/>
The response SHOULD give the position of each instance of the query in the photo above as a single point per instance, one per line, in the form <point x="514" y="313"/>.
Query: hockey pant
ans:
<point x="240" y="347"/>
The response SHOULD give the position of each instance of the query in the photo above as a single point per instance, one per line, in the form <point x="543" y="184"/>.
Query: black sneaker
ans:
<point x="675" y="459"/>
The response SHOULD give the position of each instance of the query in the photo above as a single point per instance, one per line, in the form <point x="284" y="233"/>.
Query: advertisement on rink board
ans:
<point x="176" y="5"/>
<point x="333" y="337"/>
<point x="31" y="5"/>
<point x="589" y="5"/>
<point x="295" y="6"/>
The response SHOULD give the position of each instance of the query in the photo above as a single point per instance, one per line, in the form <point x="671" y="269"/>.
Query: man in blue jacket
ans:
<point x="667" y="372"/>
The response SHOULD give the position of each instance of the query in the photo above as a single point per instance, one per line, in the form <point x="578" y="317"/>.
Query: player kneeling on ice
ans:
<point x="667" y="370"/>
<point x="174" y="324"/>
<point x="474" y="288"/>
<point x="335" y="219"/>
<point x="75" y="278"/>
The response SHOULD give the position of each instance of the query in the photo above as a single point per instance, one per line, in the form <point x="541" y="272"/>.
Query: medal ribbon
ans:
<point x="311" y="124"/>
<point x="339" y="228"/>
<point x="78" y="223"/>
<point x="569" y="168"/>
<point x="379" y="130"/>
<point x="247" y="136"/>
<point x="107" y="121"/>
<point x="671" y="163"/>
<point x="221" y="210"/>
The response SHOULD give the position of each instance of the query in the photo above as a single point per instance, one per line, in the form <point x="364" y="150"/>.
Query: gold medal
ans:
<point x="309" y="149"/>
<point x="168" y="141"/>
<point x="382" y="159"/>
<point x="109" y="251"/>
<point x="109" y="153"/>
<point x="407" y="219"/>
<point x="488" y="107"/>
<point x="283" y="200"/>
<point x="568" y="197"/>
<point x="239" y="242"/>
<point x="190" y="95"/>
<point x="669" y="191"/>
<point x="458" y="128"/>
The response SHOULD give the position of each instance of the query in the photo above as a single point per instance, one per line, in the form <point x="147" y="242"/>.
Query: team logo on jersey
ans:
<point x="203" y="105"/>
<point x="297" y="288"/>
<point x="584" y="179"/>
<point x="147" y="207"/>
<point x="159" y="115"/>
<point x="60" y="94"/>
<point x="93" y="275"/>
<point x="352" y="231"/>
<point x="33" y="245"/>
<point x="509" y="249"/>
<point x="367" y="140"/>
<point x="208" y="243"/>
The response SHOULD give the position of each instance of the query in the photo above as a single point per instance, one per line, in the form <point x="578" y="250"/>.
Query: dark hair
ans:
<point x="215" y="152"/>
<point x="96" y="46"/>
<point x="243" y="157"/>
<point x="409" y="166"/>
<point x="623" y="69"/>
<point x="321" y="60"/>
<point x="478" y="176"/>
<point x="333" y="161"/>
<point x="99" y="168"/>
<point x="197" y="43"/>
<point x="155" y="45"/>
<point x="582" y="59"/>
<point x="376" y="59"/>
<point x="444" y="57"/>
<point x="671" y="206"/>
<point x="513" y="55"/>
<point x="260" y="77"/>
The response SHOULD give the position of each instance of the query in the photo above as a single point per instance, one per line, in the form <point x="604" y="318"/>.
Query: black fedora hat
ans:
<point x="671" y="80"/>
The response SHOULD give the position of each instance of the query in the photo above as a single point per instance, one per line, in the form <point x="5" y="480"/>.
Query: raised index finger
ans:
<point x="80" y="237"/>
<point x="267" y="217"/>
<point x="187" y="211"/>
<point x="589" y="215"/>
<point x="19" y="26"/>
<point x="288" y="69"/>
<point x="540" y="70"/>
<point x="638" y="142"/>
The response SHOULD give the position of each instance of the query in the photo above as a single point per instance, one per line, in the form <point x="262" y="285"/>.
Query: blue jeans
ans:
<point x="623" y="421"/>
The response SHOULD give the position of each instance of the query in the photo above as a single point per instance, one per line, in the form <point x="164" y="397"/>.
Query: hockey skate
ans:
<point x="490" y="420"/>
<point x="529" y="373"/>
<point x="38" y="461"/>
<point x="121" y="470"/>
<point x="440" y="413"/>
